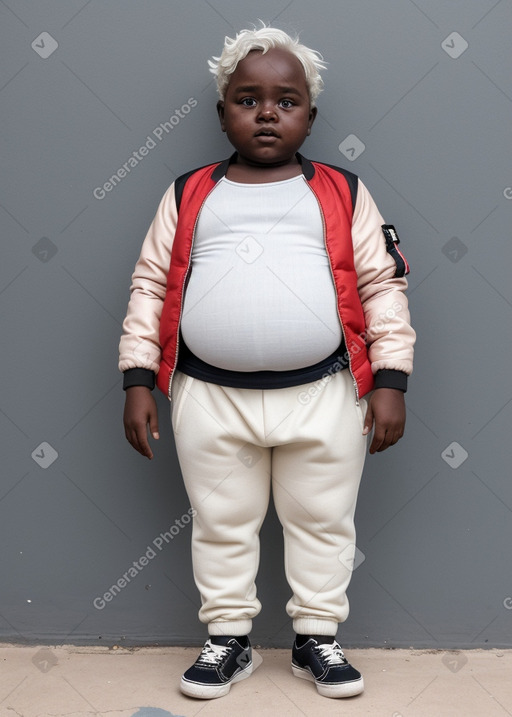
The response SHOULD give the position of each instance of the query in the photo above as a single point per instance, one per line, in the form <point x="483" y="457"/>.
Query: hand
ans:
<point x="140" y="411"/>
<point x="387" y="408"/>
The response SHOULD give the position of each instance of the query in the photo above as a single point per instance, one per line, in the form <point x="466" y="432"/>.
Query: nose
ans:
<point x="267" y="112"/>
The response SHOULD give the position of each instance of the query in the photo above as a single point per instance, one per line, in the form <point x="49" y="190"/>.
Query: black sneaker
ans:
<point x="223" y="660"/>
<point x="320" y="659"/>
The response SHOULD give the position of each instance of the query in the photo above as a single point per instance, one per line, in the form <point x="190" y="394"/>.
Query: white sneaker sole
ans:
<point x="348" y="689"/>
<point x="211" y="692"/>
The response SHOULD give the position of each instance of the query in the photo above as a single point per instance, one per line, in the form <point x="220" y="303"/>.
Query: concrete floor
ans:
<point x="143" y="682"/>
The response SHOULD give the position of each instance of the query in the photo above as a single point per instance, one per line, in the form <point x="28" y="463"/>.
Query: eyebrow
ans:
<point x="282" y="90"/>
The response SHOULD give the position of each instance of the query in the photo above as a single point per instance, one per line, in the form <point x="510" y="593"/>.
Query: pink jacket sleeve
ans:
<point x="390" y="337"/>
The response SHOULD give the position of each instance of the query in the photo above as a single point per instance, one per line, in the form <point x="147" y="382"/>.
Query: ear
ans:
<point x="220" y="112"/>
<point x="312" y="116"/>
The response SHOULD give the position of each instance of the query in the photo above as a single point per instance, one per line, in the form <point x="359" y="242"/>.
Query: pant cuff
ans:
<point x="314" y="626"/>
<point x="230" y="627"/>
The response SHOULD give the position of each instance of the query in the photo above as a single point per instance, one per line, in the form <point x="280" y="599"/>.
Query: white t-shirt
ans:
<point x="260" y="294"/>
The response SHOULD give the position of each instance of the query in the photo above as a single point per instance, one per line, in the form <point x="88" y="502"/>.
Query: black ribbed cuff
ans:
<point x="391" y="378"/>
<point x="138" y="377"/>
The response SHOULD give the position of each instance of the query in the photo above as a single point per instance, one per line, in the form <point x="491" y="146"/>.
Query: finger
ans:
<point x="385" y="443"/>
<point x="390" y="438"/>
<point x="395" y="437"/>
<point x="131" y="437"/>
<point x="378" y="440"/>
<point x="394" y="434"/>
<point x="134" y="440"/>
<point x="153" y="426"/>
<point x="130" y="433"/>
<point x="142" y="441"/>
<point x="146" y="448"/>
<point x="368" y="421"/>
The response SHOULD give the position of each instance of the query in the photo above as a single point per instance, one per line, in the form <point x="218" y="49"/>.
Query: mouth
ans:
<point x="266" y="133"/>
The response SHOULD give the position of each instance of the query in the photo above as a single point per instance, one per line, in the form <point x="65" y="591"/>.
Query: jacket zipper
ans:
<point x="356" y="388"/>
<point x="183" y="292"/>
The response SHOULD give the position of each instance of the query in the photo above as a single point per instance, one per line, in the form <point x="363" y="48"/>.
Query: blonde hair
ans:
<point x="264" y="39"/>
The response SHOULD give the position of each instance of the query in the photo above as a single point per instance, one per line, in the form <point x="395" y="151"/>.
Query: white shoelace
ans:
<point x="332" y="654"/>
<point x="212" y="655"/>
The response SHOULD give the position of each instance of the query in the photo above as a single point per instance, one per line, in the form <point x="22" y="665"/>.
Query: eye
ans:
<point x="286" y="104"/>
<point x="248" y="102"/>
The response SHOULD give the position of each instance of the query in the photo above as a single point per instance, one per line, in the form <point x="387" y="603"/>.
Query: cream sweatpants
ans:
<point x="233" y="444"/>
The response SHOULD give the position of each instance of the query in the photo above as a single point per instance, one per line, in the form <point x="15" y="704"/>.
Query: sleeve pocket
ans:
<point x="392" y="242"/>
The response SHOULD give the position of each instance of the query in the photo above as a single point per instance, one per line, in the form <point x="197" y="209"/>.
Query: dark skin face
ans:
<point x="266" y="115"/>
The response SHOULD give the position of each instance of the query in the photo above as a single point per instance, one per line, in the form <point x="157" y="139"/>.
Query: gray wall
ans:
<point x="77" y="505"/>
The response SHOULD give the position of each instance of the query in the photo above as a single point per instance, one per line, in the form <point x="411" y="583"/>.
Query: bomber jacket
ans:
<point x="368" y="271"/>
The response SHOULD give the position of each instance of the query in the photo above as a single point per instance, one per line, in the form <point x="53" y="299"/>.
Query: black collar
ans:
<point x="221" y="169"/>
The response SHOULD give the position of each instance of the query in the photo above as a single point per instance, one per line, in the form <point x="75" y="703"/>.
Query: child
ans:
<point x="278" y="328"/>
